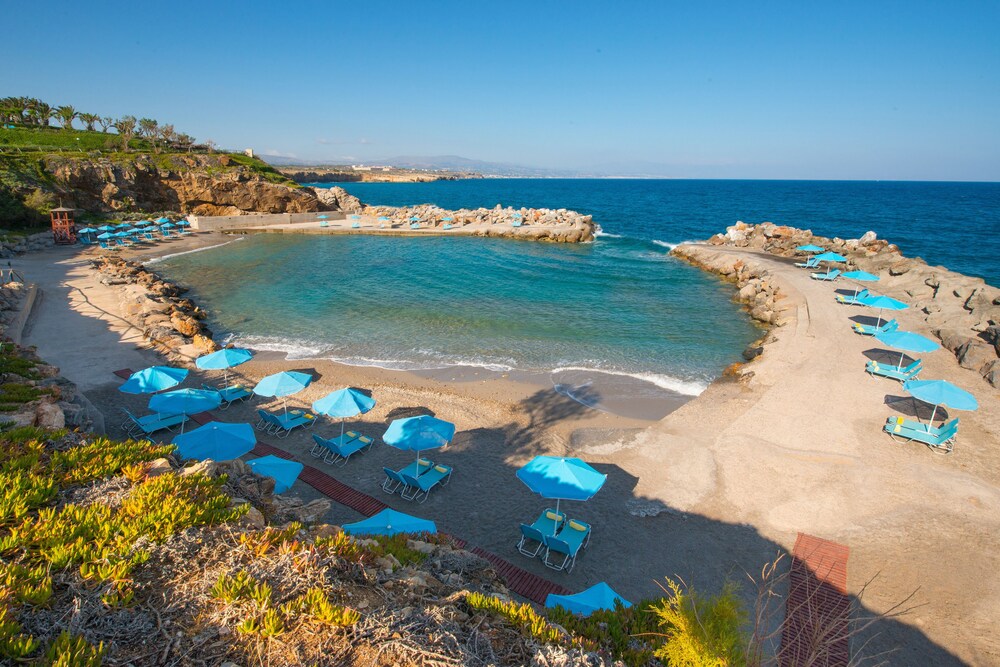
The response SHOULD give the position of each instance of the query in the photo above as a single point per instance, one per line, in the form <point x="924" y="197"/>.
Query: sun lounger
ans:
<point x="394" y="480"/>
<point x="911" y="425"/>
<point x="288" y="422"/>
<point x="265" y="421"/>
<point x="942" y="440"/>
<point x="339" y="453"/>
<point x="810" y="263"/>
<point x="230" y="394"/>
<point x="548" y="523"/>
<point x="322" y="446"/>
<point x="419" y="488"/>
<point x="893" y="372"/>
<point x="852" y="299"/>
<point x="869" y="330"/>
<point x="574" y="536"/>
<point x="148" y="424"/>
<point x="832" y="275"/>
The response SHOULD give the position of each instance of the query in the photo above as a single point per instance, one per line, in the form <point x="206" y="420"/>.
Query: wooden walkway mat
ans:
<point x="522" y="582"/>
<point x="817" y="612"/>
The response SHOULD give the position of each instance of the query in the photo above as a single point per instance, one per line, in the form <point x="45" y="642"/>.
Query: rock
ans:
<point x="975" y="354"/>
<point x="751" y="352"/>
<point x="327" y="530"/>
<point x="185" y="325"/>
<point x="422" y="547"/>
<point x="204" y="344"/>
<point x="206" y="467"/>
<point x="158" y="467"/>
<point x="238" y="467"/>
<point x="868" y="237"/>
<point x="991" y="373"/>
<point x="992" y="336"/>
<point x="900" y="267"/>
<point x="254" y="518"/>
<point x="49" y="415"/>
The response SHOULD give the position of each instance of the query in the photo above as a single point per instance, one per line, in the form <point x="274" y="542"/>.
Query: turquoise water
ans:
<point x="652" y="325"/>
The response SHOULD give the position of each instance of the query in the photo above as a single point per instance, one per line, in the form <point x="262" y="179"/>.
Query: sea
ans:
<point x="613" y="323"/>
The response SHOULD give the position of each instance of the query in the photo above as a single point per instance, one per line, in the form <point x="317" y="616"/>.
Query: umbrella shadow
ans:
<point x="316" y="375"/>
<point x="911" y="407"/>
<point x="868" y="319"/>
<point x="888" y="356"/>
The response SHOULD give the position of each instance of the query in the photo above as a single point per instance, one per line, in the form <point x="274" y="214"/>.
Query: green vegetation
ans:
<point x="262" y="169"/>
<point x="15" y="394"/>
<point x="520" y="615"/>
<point x="49" y="139"/>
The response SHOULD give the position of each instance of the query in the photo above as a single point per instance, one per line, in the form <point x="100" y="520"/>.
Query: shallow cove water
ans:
<point x="609" y="323"/>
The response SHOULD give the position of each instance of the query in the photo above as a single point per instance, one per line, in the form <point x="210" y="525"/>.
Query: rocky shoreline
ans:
<point x="961" y="311"/>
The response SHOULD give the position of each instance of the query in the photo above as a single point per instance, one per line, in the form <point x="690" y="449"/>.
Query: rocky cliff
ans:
<point x="214" y="184"/>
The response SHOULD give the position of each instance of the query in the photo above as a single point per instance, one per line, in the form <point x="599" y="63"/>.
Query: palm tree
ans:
<point x="66" y="114"/>
<point x="148" y="127"/>
<point x="126" y="130"/>
<point x="42" y="112"/>
<point x="89" y="119"/>
<point x="106" y="122"/>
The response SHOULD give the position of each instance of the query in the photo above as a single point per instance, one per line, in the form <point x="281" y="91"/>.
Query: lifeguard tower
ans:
<point x="63" y="226"/>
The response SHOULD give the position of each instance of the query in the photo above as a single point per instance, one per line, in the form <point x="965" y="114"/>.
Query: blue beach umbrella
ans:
<point x="558" y="478"/>
<point x="167" y="225"/>
<point x="88" y="230"/>
<point x="882" y="303"/>
<point x="280" y="385"/>
<point x="105" y="236"/>
<point x="344" y="403"/>
<point x="322" y="217"/>
<point x="862" y="276"/>
<point x="283" y="472"/>
<point x="810" y="248"/>
<point x="106" y="228"/>
<point x="390" y="522"/>
<point x="153" y="379"/>
<point x="185" y="402"/>
<point x="218" y="441"/>
<point x="163" y="219"/>
<point x="223" y="359"/>
<point x="598" y="596"/>
<point x="416" y="434"/>
<point x="182" y="223"/>
<point x="143" y="223"/>
<point x="906" y="341"/>
<point x="829" y="257"/>
<point x="382" y="218"/>
<point x="414" y="219"/>
<point x="938" y="393"/>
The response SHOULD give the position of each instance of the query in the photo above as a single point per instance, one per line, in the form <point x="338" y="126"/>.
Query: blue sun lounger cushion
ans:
<point x="832" y="275"/>
<point x="893" y="372"/>
<point x="942" y="441"/>
<point x="852" y="299"/>
<point x="869" y="330"/>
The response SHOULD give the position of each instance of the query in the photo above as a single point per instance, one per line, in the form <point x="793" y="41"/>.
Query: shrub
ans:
<point x="521" y="616"/>
<point x="700" y="631"/>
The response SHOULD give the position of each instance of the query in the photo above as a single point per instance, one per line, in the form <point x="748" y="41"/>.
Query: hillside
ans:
<point x="43" y="167"/>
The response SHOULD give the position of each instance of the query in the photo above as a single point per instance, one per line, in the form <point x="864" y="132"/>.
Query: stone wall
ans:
<point x="221" y="223"/>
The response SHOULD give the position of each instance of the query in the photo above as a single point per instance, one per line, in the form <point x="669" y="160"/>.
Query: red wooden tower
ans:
<point x="63" y="226"/>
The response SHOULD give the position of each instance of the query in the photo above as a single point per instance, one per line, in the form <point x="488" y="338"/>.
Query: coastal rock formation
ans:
<point x="19" y="245"/>
<point x="537" y="224"/>
<point x="338" y="199"/>
<point x="173" y="324"/>
<point x="195" y="184"/>
<point x="962" y="311"/>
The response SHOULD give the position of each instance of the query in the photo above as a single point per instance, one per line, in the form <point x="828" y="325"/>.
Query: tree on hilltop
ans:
<point x="89" y="119"/>
<point x="66" y="114"/>
<point x="106" y="122"/>
<point x="126" y="130"/>
<point x="148" y="128"/>
<point x="185" y="141"/>
<point x="40" y="112"/>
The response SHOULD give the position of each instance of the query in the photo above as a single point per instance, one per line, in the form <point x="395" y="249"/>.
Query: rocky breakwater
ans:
<point x="171" y="323"/>
<point x="11" y="246"/>
<point x="197" y="184"/>
<point x="537" y="224"/>
<point x="961" y="311"/>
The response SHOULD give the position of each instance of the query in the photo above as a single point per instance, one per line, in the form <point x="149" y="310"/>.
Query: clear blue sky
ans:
<point x="853" y="90"/>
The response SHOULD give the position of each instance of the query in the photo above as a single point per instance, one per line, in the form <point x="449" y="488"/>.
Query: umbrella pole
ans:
<point x="879" y="321"/>
<point x="931" y="422"/>
<point x="341" y="429"/>
<point x="900" y="367"/>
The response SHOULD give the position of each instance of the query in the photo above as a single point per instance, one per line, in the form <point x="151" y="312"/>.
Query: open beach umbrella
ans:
<point x="106" y="228"/>
<point x="558" y="478"/>
<point x="218" y="441"/>
<point x="882" y="303"/>
<point x="143" y="223"/>
<point x="280" y="385"/>
<point x="344" y="403"/>
<point x="87" y="230"/>
<point x="829" y="257"/>
<point x="105" y="236"/>
<point x="414" y="218"/>
<point x="862" y="276"/>
<point x="598" y="596"/>
<point x="322" y="217"/>
<point x="185" y="402"/>
<point x="223" y="360"/>
<point x="153" y="379"/>
<point x="416" y="434"/>
<point x="907" y="341"/>
<point x="390" y="522"/>
<point x="810" y="248"/>
<point x="938" y="393"/>
<point x="167" y="225"/>
<point x="182" y="223"/>
<point x="163" y="219"/>
<point x="283" y="472"/>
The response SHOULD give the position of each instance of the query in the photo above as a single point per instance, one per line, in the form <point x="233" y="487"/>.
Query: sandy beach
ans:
<point x="713" y="490"/>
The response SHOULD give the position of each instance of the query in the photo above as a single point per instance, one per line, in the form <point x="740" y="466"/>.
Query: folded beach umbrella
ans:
<point x="223" y="359"/>
<point x="185" y="402"/>
<point x="416" y="434"/>
<point x="153" y="379"/>
<point x="390" y="522"/>
<point x="344" y="403"/>
<point x="598" y="596"/>
<point x="280" y="385"/>
<point x="882" y="303"/>
<point x="938" y="393"/>
<point x="283" y="472"/>
<point x="810" y="248"/>
<point x="558" y="478"/>
<point x="907" y="341"/>
<point x="218" y="441"/>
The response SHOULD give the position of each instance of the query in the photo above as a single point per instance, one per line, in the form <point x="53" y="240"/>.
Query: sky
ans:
<point x="799" y="90"/>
